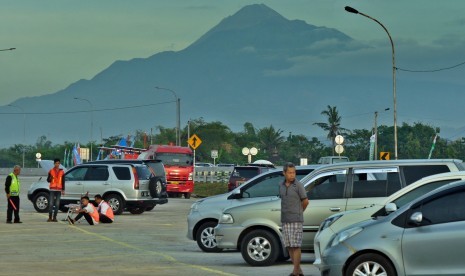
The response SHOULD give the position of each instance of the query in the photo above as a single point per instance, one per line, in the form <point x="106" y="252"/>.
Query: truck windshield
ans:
<point x="175" y="159"/>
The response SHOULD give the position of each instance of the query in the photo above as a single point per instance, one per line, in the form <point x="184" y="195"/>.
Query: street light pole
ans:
<point x="91" y="122"/>
<point x="352" y="10"/>
<point x="376" y="133"/>
<point x="178" y="114"/>
<point x="24" y="129"/>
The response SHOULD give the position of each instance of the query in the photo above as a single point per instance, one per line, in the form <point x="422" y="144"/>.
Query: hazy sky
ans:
<point x="60" y="41"/>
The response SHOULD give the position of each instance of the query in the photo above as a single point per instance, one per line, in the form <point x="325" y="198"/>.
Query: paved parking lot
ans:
<point x="151" y="243"/>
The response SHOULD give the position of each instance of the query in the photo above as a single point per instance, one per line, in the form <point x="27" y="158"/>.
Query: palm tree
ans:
<point x="270" y="140"/>
<point x="333" y="126"/>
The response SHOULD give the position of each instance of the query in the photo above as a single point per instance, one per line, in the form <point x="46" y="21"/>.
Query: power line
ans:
<point x="430" y="71"/>
<point x="85" y="111"/>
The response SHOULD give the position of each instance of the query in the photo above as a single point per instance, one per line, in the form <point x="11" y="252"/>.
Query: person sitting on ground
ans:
<point x="104" y="210"/>
<point x="88" y="211"/>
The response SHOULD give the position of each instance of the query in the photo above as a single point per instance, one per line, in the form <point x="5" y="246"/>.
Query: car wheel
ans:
<point x="136" y="211"/>
<point x="206" y="237"/>
<point x="370" y="264"/>
<point x="116" y="203"/>
<point x="155" y="188"/>
<point x="150" y="208"/>
<point x="187" y="195"/>
<point x="260" y="248"/>
<point x="40" y="202"/>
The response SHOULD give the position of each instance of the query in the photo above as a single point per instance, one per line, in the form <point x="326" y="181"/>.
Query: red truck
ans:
<point x="179" y="167"/>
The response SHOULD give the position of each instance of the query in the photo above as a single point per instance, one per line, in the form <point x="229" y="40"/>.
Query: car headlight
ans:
<point x="327" y="222"/>
<point x="226" y="218"/>
<point x="344" y="235"/>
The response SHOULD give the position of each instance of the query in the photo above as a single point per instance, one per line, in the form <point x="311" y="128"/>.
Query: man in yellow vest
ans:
<point x="12" y="189"/>
<point x="56" y="178"/>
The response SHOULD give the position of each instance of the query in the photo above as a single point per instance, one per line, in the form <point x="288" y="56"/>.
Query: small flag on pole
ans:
<point x="433" y="146"/>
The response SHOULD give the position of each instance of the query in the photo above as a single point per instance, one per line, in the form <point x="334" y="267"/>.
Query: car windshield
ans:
<point x="175" y="159"/>
<point x="424" y="189"/>
<point x="245" y="172"/>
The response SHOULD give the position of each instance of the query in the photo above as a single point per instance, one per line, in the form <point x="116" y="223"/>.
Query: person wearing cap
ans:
<point x="12" y="189"/>
<point x="56" y="178"/>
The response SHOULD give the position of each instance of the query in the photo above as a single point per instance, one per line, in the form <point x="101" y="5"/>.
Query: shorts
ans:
<point x="292" y="234"/>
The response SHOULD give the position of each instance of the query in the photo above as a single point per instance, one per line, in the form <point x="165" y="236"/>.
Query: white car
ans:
<point x="339" y="221"/>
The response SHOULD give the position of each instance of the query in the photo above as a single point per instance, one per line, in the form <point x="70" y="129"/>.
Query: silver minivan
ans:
<point x="424" y="237"/>
<point x="330" y="189"/>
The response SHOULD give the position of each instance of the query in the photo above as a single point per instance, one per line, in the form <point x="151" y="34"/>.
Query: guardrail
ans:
<point x="212" y="174"/>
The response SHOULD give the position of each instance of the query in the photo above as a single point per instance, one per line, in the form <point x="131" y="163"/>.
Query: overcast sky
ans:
<point x="60" y="41"/>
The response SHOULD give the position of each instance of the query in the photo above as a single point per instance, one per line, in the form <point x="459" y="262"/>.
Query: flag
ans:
<point x="69" y="162"/>
<point x="433" y="146"/>
<point x="99" y="154"/>
<point x="372" y="146"/>
<point x="65" y="158"/>
<point x="76" y="155"/>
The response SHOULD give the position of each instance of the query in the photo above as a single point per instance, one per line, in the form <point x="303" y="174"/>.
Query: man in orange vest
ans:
<point x="87" y="210"/>
<point x="56" y="178"/>
<point x="104" y="210"/>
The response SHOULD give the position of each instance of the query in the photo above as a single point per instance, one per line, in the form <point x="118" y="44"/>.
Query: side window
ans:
<point x="421" y="190"/>
<point x="77" y="174"/>
<point x="327" y="186"/>
<point x="375" y="182"/>
<point x="122" y="173"/>
<point x="447" y="208"/>
<point x="97" y="173"/>
<point x="267" y="186"/>
<point x="414" y="173"/>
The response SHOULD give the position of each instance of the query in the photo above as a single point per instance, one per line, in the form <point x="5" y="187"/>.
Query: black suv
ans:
<point x="241" y="174"/>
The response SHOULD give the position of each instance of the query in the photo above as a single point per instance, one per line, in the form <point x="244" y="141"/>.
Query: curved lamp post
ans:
<point x="91" y="122"/>
<point x="352" y="10"/>
<point x="24" y="128"/>
<point x="178" y="114"/>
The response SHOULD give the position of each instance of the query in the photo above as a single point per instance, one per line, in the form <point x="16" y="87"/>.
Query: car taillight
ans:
<point x="190" y="176"/>
<point x="136" y="179"/>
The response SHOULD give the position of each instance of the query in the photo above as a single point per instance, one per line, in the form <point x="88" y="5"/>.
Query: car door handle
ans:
<point x="106" y="183"/>
<point x="78" y="183"/>
<point x="275" y="210"/>
<point x="335" y="209"/>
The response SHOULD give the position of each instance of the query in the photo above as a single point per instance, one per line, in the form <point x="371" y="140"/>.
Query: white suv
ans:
<point x="124" y="186"/>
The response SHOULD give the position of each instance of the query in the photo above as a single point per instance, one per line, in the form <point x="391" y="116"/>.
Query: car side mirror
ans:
<point x="390" y="207"/>
<point x="416" y="218"/>
<point x="236" y="194"/>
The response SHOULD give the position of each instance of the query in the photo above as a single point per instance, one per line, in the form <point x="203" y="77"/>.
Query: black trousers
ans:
<point x="13" y="209"/>
<point x="86" y="216"/>
<point x="104" y="219"/>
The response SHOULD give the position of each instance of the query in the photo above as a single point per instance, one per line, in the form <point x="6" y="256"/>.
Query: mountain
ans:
<point x="254" y="66"/>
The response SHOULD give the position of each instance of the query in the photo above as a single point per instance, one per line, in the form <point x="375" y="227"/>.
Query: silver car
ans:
<point x="424" y="237"/>
<point x="339" y="221"/>
<point x="204" y="213"/>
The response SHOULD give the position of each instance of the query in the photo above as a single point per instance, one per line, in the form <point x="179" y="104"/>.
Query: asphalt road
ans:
<point x="151" y="243"/>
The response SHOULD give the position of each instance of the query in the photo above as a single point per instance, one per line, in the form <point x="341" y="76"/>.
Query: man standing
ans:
<point x="88" y="211"/>
<point x="294" y="201"/>
<point x="104" y="210"/>
<point x="12" y="189"/>
<point x="57" y="187"/>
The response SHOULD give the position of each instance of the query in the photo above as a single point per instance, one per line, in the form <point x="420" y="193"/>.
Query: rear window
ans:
<point x="414" y="173"/>
<point x="245" y="172"/>
<point x="122" y="173"/>
<point x="157" y="168"/>
<point x="143" y="172"/>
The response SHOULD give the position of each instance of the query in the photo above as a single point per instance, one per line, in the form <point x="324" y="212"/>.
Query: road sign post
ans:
<point x="384" y="155"/>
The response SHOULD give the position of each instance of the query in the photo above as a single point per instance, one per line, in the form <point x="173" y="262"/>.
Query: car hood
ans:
<point x="352" y="217"/>
<point x="274" y="203"/>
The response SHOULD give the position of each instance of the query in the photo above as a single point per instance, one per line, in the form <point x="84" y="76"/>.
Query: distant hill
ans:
<point x="254" y="66"/>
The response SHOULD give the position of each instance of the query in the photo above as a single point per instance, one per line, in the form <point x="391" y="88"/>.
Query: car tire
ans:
<point x="40" y="202"/>
<point x="187" y="195"/>
<point x="116" y="203"/>
<point x="371" y="261"/>
<point x="156" y="188"/>
<point x="136" y="211"/>
<point x="260" y="248"/>
<point x="205" y="237"/>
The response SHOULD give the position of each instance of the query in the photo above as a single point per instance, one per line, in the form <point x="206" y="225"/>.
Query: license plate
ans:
<point x="174" y="182"/>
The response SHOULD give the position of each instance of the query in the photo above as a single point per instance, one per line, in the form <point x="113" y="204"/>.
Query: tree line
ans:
<point x="414" y="141"/>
